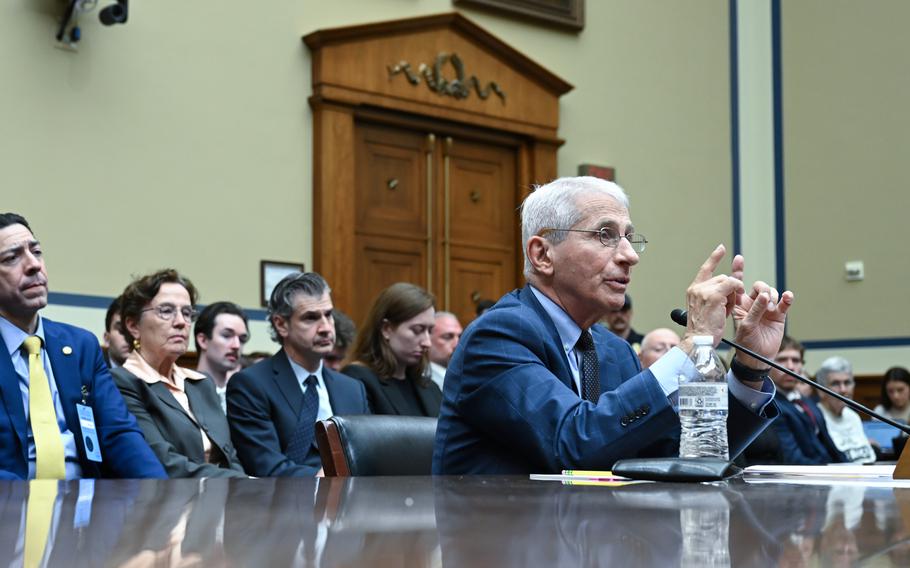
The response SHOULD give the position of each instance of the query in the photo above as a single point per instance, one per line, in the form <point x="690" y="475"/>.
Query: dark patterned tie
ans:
<point x="300" y="443"/>
<point x="590" y="371"/>
<point x="807" y="412"/>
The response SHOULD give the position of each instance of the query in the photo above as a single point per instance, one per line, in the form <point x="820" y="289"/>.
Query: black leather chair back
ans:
<point x="384" y="445"/>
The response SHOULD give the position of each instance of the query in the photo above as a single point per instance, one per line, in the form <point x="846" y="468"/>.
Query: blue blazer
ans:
<point x="509" y="405"/>
<point x="799" y="444"/>
<point x="124" y="452"/>
<point x="263" y="402"/>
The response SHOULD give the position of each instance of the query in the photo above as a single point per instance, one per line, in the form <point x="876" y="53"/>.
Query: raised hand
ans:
<point x="710" y="299"/>
<point x="759" y="318"/>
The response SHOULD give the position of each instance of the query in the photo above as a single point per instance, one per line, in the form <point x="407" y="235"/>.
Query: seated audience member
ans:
<point x="801" y="427"/>
<point x="536" y="386"/>
<point x="177" y="409"/>
<point x="273" y="406"/>
<point x="345" y="332"/>
<point x="844" y="425"/>
<point x="220" y="333"/>
<point x="51" y="373"/>
<point x="896" y="395"/>
<point x="619" y="321"/>
<point x="446" y="333"/>
<point x="390" y="356"/>
<point x="116" y="347"/>
<point x="655" y="344"/>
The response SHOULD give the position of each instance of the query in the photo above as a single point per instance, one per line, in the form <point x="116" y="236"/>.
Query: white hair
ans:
<point x="833" y="365"/>
<point x="556" y="205"/>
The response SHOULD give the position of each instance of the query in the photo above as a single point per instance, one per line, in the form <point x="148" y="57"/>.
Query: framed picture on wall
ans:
<point x="568" y="14"/>
<point x="270" y="274"/>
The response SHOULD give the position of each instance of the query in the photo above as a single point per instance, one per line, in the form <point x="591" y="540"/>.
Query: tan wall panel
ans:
<point x="847" y="137"/>
<point x="184" y="137"/>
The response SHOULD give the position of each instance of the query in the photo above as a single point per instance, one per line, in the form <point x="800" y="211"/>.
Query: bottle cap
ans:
<point x="703" y="340"/>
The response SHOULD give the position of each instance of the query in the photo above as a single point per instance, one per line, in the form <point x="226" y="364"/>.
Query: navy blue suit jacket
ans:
<point x="124" y="452"/>
<point x="509" y="404"/>
<point x="799" y="444"/>
<point x="263" y="403"/>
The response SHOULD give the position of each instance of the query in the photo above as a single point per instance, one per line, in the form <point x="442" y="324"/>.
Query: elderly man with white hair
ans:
<point x="844" y="425"/>
<point x="536" y="385"/>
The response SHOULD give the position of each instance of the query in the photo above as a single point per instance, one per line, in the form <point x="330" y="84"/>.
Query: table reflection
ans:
<point x="451" y="521"/>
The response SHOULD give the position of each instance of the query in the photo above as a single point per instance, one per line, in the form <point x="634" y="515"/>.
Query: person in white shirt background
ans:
<point x="844" y="424"/>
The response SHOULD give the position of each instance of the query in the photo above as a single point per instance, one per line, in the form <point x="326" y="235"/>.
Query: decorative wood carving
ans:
<point x="459" y="87"/>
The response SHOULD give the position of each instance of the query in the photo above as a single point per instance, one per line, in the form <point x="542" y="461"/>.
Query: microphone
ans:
<point x="681" y="317"/>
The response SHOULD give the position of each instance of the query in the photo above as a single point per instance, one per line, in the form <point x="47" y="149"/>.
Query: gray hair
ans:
<point x="556" y="206"/>
<point x="833" y="365"/>
<point x="446" y="314"/>
<point x="281" y="302"/>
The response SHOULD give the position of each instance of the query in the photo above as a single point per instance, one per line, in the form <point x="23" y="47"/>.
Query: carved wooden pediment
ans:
<point x="443" y="65"/>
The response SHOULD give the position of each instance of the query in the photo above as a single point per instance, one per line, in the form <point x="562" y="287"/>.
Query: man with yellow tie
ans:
<point x="60" y="414"/>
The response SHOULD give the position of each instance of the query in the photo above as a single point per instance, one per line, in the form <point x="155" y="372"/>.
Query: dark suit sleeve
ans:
<point x="253" y="431"/>
<point x="176" y="464"/>
<point x="508" y="392"/>
<point x="792" y="453"/>
<point x="792" y="450"/>
<point x="347" y="394"/>
<point x="364" y="403"/>
<point x="367" y="381"/>
<point x="124" y="451"/>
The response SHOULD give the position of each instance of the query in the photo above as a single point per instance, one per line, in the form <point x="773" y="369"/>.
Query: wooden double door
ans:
<point x="435" y="209"/>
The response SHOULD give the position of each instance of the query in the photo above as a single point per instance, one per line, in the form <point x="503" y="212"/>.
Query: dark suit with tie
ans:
<point x="264" y="403"/>
<point x="802" y="440"/>
<point x="510" y="406"/>
<point x="385" y="398"/>
<point x="77" y="363"/>
<point x="175" y="436"/>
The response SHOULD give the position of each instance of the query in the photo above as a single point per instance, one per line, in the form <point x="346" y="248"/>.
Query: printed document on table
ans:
<point x="850" y="474"/>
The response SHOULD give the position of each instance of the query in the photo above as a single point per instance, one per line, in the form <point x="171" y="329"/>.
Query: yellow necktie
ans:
<point x="38" y="516"/>
<point x="50" y="461"/>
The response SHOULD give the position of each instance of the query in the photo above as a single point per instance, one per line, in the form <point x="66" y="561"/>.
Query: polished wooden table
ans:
<point x="459" y="521"/>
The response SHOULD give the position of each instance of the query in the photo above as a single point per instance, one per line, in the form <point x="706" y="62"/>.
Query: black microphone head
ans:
<point x="680" y="316"/>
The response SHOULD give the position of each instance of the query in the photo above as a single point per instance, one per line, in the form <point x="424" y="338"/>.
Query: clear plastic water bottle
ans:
<point x="703" y="403"/>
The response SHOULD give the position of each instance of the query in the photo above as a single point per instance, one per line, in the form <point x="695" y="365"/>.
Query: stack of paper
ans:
<point x="839" y="474"/>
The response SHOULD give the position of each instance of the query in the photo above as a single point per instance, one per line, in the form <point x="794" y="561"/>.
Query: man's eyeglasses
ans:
<point x="168" y="312"/>
<point x="608" y="237"/>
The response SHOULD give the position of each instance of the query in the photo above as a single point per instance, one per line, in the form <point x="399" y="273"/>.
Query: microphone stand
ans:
<point x="849" y="402"/>
<point x="901" y="470"/>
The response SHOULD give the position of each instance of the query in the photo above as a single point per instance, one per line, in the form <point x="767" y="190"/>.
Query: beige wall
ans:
<point x="846" y="142"/>
<point x="184" y="138"/>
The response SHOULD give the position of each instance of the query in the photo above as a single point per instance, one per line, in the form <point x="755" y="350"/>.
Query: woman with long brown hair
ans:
<point x="390" y="355"/>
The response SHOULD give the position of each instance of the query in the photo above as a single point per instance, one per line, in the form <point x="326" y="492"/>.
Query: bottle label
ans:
<point x="703" y="396"/>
